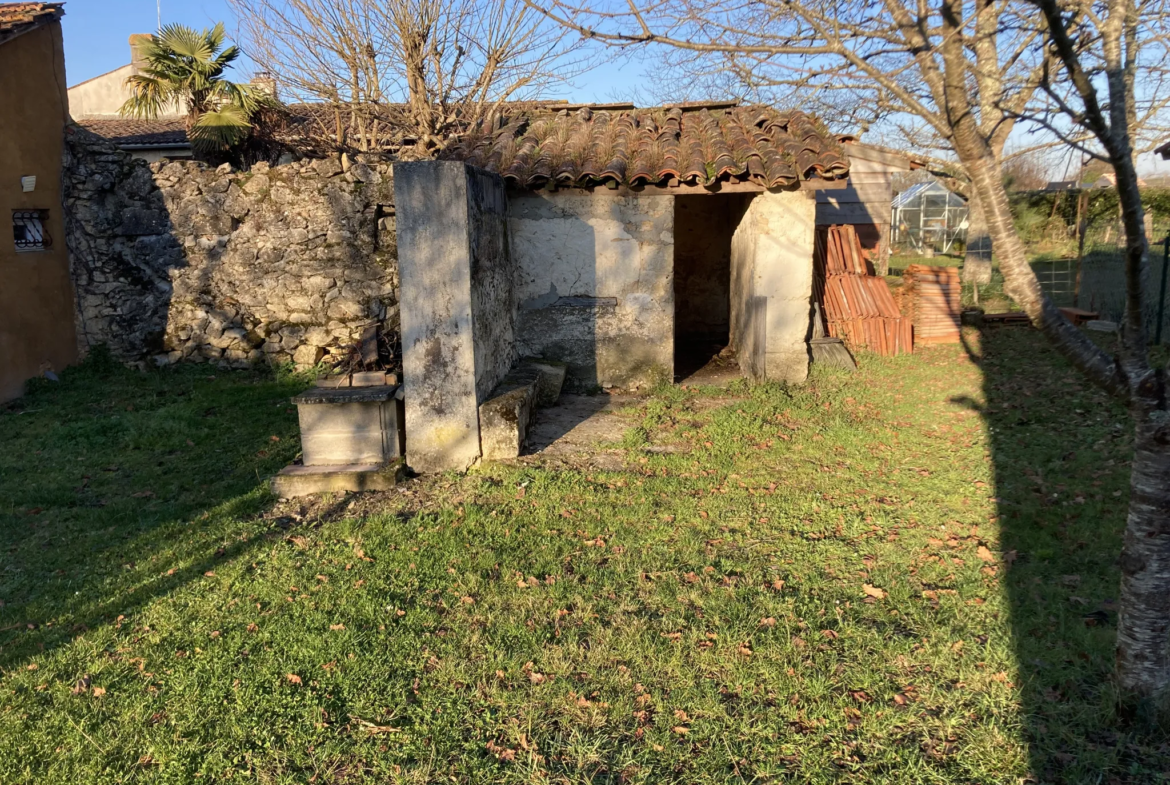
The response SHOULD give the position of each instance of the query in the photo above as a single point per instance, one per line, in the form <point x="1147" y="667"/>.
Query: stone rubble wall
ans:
<point x="177" y="261"/>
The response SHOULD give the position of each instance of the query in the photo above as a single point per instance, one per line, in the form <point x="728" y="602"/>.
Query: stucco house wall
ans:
<point x="103" y="95"/>
<point x="36" y="297"/>
<point x="595" y="285"/>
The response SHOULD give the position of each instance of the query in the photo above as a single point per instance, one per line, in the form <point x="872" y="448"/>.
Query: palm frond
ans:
<point x="149" y="97"/>
<point x="220" y="129"/>
<point x="182" y="65"/>
<point x="175" y="39"/>
<point x="215" y="36"/>
<point x="227" y="56"/>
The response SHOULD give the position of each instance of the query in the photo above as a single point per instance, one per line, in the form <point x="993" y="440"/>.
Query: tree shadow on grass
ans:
<point x="119" y="487"/>
<point x="1060" y="450"/>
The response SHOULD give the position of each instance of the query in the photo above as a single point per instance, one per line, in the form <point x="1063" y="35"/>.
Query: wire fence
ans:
<point x="1102" y="283"/>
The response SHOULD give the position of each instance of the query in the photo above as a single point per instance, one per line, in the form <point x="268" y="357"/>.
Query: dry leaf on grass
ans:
<point x="873" y="591"/>
<point x="293" y="678"/>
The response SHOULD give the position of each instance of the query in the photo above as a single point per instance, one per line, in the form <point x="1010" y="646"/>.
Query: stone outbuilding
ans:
<point x="615" y="240"/>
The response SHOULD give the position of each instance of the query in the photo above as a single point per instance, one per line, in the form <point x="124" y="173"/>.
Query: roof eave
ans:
<point x="53" y="13"/>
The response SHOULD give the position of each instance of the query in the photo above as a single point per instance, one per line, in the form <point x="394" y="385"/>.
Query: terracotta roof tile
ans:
<point x="17" y="18"/>
<point x="131" y="132"/>
<point x="585" y="147"/>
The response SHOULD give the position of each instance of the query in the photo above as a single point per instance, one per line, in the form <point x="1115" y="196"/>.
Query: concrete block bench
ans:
<point x="505" y="417"/>
<point x="351" y="440"/>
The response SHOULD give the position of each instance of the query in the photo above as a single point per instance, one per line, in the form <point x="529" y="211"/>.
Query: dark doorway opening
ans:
<point x="703" y="229"/>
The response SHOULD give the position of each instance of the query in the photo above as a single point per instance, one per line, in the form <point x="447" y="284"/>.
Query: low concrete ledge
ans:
<point x="375" y="394"/>
<point x="299" y="480"/>
<point x="505" y="417"/>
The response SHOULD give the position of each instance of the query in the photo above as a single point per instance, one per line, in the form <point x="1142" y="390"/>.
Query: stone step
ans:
<point x="505" y="417"/>
<point x="300" y="480"/>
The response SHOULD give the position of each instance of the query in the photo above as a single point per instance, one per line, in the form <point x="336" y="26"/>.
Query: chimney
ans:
<point x="264" y="82"/>
<point x="137" y="40"/>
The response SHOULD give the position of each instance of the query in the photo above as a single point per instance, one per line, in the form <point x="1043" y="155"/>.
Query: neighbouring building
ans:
<point x="150" y="140"/>
<point x="36" y="296"/>
<point x="612" y="240"/>
<point x="1109" y="180"/>
<point x="94" y="104"/>
<point x="863" y="200"/>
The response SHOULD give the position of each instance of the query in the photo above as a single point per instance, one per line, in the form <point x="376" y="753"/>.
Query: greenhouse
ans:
<point x="927" y="215"/>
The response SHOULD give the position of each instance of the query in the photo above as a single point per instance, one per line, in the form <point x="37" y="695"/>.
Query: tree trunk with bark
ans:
<point x="1143" y="634"/>
<point x="1143" y="625"/>
<point x="977" y="259"/>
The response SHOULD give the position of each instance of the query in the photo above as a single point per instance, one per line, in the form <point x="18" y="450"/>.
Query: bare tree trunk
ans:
<point x="1143" y="626"/>
<point x="977" y="260"/>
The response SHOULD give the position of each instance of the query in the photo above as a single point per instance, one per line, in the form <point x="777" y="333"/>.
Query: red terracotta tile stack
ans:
<point x="857" y="305"/>
<point x="932" y="297"/>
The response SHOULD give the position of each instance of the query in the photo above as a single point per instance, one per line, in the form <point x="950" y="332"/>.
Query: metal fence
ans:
<point x="1102" y="284"/>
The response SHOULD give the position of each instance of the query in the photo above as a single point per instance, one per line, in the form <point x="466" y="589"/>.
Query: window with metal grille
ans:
<point x="28" y="228"/>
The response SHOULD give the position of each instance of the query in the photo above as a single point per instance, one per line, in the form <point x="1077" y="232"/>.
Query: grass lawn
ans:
<point x="900" y="576"/>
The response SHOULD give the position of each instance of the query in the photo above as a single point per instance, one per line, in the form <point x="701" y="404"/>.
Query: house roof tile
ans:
<point x="17" y="18"/>
<point x="131" y="132"/>
<point x="702" y="144"/>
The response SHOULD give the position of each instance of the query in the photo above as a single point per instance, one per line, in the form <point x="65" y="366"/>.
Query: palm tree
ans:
<point x="182" y="66"/>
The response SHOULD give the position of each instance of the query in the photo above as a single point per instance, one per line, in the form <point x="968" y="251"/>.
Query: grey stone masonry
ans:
<point x="178" y="261"/>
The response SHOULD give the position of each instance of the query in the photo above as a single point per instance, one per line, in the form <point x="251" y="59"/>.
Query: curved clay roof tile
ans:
<point x="583" y="146"/>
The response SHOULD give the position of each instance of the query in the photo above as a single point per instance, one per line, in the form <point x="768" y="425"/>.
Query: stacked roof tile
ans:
<point x="17" y="18"/>
<point x="632" y="147"/>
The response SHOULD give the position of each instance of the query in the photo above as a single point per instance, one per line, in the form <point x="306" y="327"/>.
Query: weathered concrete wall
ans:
<point x="703" y="228"/>
<point x="493" y="281"/>
<point x="771" y="269"/>
<point x="457" y="306"/>
<point x="36" y="298"/>
<point x="747" y="334"/>
<point x="177" y="261"/>
<point x="596" y="284"/>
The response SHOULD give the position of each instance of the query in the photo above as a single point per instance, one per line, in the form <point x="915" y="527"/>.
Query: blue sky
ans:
<point x="96" y="31"/>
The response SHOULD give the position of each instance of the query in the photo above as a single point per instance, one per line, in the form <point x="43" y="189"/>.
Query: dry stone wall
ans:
<point x="176" y="261"/>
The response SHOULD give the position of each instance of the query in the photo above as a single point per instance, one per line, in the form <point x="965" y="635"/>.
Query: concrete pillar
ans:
<point x="457" y="305"/>
<point x="772" y="273"/>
